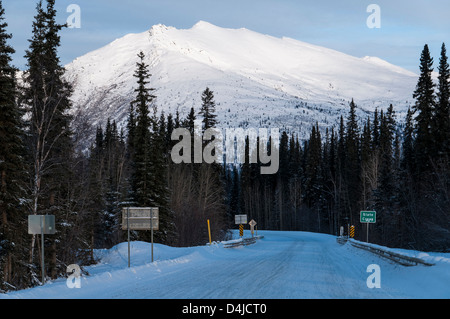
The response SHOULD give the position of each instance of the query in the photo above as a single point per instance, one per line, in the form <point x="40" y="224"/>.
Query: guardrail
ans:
<point x="242" y="242"/>
<point x="341" y="240"/>
<point x="396" y="257"/>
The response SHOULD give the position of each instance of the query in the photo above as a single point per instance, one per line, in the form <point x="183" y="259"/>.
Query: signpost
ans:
<point x="140" y="218"/>
<point x="41" y="224"/>
<point x="352" y="231"/>
<point x="240" y="219"/>
<point x="252" y="224"/>
<point x="368" y="217"/>
<point x="209" y="232"/>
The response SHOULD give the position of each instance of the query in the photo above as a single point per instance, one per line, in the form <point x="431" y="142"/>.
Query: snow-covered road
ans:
<point x="282" y="265"/>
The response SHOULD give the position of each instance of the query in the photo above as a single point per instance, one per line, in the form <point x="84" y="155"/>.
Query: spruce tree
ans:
<point x="375" y="131"/>
<point x="423" y="109"/>
<point x="352" y="162"/>
<point x="442" y="114"/>
<point x="149" y="160"/>
<point x="131" y="128"/>
<point x="47" y="97"/>
<point x="407" y="162"/>
<point x="312" y="169"/>
<point x="160" y="190"/>
<point x="142" y="175"/>
<point x="189" y="122"/>
<point x="366" y="143"/>
<point x="13" y="234"/>
<point x="208" y="110"/>
<point x="340" y="173"/>
<point x="385" y="194"/>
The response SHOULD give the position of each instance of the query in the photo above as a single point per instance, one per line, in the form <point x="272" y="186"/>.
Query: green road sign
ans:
<point x="368" y="217"/>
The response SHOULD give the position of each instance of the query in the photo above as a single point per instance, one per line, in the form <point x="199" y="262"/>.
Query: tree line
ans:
<point x="401" y="171"/>
<point x="44" y="172"/>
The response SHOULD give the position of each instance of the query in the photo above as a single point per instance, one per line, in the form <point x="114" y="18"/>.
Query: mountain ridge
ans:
<point x="258" y="80"/>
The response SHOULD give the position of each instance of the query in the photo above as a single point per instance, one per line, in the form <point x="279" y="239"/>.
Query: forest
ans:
<point x="396" y="167"/>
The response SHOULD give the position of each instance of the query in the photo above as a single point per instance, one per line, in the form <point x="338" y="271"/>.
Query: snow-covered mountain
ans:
<point x="258" y="80"/>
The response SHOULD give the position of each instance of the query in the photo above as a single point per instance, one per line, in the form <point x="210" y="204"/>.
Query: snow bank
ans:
<point x="282" y="265"/>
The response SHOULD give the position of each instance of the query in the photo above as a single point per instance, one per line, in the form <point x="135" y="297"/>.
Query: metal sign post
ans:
<point x="240" y="220"/>
<point x="140" y="218"/>
<point x="40" y="225"/>
<point x="151" y="227"/>
<point x="368" y="217"/>
<point x="252" y="224"/>
<point x="42" y="249"/>
<point x="128" y="228"/>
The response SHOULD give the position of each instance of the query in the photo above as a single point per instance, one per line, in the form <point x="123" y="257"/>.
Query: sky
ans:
<point x="404" y="26"/>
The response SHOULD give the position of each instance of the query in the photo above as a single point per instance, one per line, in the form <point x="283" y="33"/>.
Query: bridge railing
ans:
<point x="242" y="242"/>
<point x="394" y="256"/>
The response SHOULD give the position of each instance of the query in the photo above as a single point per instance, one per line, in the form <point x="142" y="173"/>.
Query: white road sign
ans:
<point x="140" y="218"/>
<point x="240" y="219"/>
<point x="38" y="224"/>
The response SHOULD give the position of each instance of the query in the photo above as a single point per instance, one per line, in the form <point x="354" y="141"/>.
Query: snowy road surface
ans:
<point x="281" y="265"/>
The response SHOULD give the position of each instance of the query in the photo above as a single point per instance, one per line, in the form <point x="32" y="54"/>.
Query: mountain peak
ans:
<point x="258" y="80"/>
<point x="203" y="24"/>
<point x="158" y="29"/>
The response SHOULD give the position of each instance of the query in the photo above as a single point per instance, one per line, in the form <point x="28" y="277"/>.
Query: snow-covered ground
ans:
<point x="282" y="265"/>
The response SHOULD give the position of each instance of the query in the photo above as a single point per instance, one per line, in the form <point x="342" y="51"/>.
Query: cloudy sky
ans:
<point x="341" y="25"/>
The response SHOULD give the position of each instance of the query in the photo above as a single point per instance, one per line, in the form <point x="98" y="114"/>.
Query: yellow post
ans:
<point x="209" y="232"/>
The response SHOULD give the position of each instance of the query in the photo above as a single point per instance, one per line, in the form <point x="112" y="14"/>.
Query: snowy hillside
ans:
<point x="258" y="80"/>
<point x="282" y="265"/>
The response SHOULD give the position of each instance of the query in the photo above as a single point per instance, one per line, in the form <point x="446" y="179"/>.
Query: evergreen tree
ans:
<point x="235" y="192"/>
<point x="341" y="174"/>
<point x="408" y="162"/>
<point x="168" y="140"/>
<point x="13" y="236"/>
<point x="352" y="163"/>
<point x="149" y="161"/>
<point x="142" y="179"/>
<point x="95" y="203"/>
<point x="47" y="96"/>
<point x="385" y="194"/>
<point x="190" y="121"/>
<point x="131" y="128"/>
<point x="161" y="193"/>
<point x="312" y="172"/>
<point x="424" y="108"/>
<point x="281" y="179"/>
<point x="442" y="115"/>
<point x="208" y="110"/>
<point x="375" y="131"/>
<point x="367" y="155"/>
<point x="366" y="143"/>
